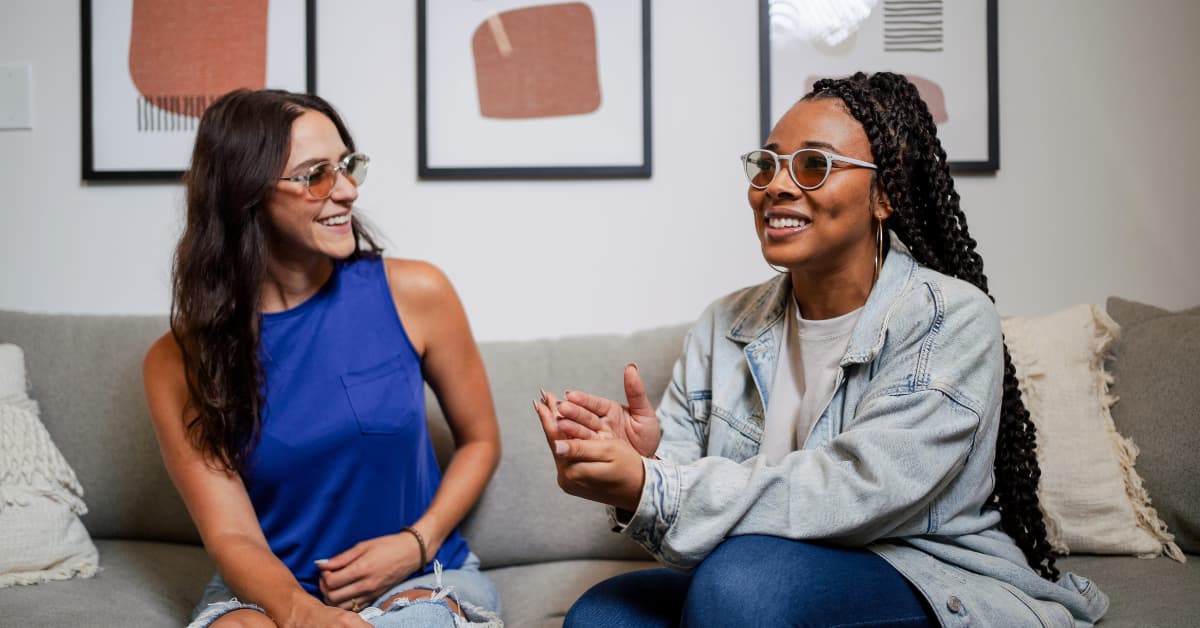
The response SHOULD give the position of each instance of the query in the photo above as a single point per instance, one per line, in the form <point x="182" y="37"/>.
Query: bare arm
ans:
<point x="438" y="328"/>
<point x="220" y="506"/>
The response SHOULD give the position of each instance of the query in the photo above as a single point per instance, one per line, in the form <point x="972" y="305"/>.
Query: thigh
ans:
<point x="765" y="580"/>
<point x="644" y="599"/>
<point x="216" y="602"/>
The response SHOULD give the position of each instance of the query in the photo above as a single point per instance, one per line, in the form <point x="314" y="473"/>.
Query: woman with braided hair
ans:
<point x="844" y="444"/>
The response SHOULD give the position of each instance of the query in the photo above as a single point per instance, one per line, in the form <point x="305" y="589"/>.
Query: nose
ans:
<point x="344" y="189"/>
<point x="782" y="184"/>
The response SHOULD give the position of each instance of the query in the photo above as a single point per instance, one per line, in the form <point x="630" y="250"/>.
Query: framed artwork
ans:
<point x="151" y="68"/>
<point x="946" y="47"/>
<point x="533" y="89"/>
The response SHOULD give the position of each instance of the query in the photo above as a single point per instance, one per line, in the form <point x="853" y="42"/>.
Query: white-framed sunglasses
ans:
<point x="320" y="178"/>
<point x="809" y="167"/>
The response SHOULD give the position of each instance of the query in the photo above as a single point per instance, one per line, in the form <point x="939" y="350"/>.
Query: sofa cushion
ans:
<point x="140" y="584"/>
<point x="1091" y="495"/>
<point x="1142" y="592"/>
<point x="1155" y="366"/>
<point x="523" y="516"/>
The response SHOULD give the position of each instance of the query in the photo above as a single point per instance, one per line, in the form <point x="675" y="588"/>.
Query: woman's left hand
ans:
<point x="359" y="575"/>
<point x="607" y="470"/>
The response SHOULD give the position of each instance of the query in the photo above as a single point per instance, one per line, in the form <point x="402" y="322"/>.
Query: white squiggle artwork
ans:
<point x="816" y="21"/>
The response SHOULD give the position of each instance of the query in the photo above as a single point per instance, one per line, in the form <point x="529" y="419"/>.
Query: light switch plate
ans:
<point x="16" y="96"/>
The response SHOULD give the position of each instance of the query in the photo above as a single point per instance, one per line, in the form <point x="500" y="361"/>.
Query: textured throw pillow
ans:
<point x="1156" y="380"/>
<point x="1092" y="498"/>
<point x="40" y="498"/>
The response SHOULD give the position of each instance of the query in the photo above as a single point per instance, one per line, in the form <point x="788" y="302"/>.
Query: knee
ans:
<point x="243" y="618"/>
<point x="731" y="587"/>
<point x="594" y="603"/>
<point x="728" y="569"/>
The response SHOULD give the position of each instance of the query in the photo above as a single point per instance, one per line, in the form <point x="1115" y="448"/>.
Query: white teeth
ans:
<point x="786" y="222"/>
<point x="334" y="221"/>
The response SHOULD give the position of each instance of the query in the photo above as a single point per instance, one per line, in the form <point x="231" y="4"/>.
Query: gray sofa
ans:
<point x="541" y="547"/>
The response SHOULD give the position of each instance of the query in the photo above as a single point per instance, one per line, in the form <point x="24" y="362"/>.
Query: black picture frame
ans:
<point x="460" y="88"/>
<point x="981" y="161"/>
<point x="170" y="165"/>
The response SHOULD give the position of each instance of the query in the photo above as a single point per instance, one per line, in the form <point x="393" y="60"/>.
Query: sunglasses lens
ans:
<point x="321" y="179"/>
<point x="760" y="168"/>
<point x="810" y="168"/>
<point x="356" y="169"/>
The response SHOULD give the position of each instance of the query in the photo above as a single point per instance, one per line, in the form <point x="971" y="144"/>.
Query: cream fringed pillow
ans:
<point x="40" y="498"/>
<point x="1092" y="498"/>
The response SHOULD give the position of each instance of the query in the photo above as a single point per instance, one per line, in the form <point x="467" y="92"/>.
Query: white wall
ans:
<point x="1094" y="196"/>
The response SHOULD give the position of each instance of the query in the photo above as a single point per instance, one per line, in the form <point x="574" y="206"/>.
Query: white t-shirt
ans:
<point x="804" y="378"/>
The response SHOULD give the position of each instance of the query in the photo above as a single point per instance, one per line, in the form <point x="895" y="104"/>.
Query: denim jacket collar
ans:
<point x="756" y="322"/>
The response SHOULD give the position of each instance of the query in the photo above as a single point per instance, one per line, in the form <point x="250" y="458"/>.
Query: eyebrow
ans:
<point x="309" y="163"/>
<point x="774" y="146"/>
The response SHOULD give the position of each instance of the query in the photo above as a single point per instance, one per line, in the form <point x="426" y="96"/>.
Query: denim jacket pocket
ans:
<point x="733" y="436"/>
<point x="384" y="398"/>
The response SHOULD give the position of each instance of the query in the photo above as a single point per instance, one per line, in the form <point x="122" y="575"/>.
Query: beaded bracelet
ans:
<point x="420" y="543"/>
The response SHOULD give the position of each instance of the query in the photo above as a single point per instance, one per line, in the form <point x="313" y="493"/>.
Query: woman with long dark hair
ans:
<point x="288" y="396"/>
<point x="844" y="444"/>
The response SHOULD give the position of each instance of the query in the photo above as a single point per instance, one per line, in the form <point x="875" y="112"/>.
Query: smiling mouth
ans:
<point x="788" y="222"/>
<point x="334" y="221"/>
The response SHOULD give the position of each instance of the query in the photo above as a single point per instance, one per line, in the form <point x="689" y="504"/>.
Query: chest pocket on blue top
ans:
<point x="387" y="398"/>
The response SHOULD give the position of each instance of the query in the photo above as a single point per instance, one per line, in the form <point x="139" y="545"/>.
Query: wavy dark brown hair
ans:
<point x="242" y="147"/>
<point x="916" y="179"/>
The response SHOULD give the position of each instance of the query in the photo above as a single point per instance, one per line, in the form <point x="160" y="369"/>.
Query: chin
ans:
<point x="342" y="250"/>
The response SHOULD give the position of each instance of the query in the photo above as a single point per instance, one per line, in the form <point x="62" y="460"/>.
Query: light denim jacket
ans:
<point x="899" y="462"/>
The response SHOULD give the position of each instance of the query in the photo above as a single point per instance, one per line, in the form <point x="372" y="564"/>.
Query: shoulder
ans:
<point x="936" y="304"/>
<point x="950" y="305"/>
<point x="163" y="358"/>
<point x="417" y="281"/>
<point x="164" y="380"/>
<point x="946" y="334"/>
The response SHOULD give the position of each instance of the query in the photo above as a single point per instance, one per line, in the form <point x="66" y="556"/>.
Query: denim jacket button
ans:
<point x="954" y="604"/>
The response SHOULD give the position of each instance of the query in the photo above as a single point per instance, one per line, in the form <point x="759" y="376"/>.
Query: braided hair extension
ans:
<point x="926" y="216"/>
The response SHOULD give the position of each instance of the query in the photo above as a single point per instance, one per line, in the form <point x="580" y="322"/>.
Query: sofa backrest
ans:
<point x="85" y="372"/>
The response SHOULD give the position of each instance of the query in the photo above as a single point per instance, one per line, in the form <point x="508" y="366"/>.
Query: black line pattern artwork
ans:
<point x="913" y="26"/>
<point x="156" y="114"/>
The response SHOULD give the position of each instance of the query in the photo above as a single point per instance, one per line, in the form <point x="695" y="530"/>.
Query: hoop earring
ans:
<point x="878" y="249"/>
<point x="781" y="271"/>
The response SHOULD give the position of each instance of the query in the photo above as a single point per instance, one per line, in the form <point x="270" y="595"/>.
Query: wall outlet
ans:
<point x="16" y="96"/>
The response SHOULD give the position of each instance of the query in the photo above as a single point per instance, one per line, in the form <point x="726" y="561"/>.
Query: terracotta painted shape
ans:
<point x="930" y="92"/>
<point x="183" y="54"/>
<point x="537" y="62"/>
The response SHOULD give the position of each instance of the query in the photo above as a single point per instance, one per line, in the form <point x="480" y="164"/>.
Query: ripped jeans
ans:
<point x="473" y="591"/>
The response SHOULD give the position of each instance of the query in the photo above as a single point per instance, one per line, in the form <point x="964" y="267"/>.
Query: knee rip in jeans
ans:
<point x="440" y="595"/>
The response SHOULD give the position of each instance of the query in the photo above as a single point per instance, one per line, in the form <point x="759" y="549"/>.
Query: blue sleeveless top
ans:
<point x="345" y="453"/>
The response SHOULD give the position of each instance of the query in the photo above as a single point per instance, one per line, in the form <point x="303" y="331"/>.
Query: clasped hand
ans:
<point x="359" y="575"/>
<point x="598" y="444"/>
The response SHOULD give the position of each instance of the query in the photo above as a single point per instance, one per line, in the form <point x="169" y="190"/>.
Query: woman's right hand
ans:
<point x="585" y="416"/>
<point x="312" y="612"/>
<point x="319" y="616"/>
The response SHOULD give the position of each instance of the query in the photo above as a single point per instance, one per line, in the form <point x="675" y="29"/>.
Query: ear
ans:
<point x="881" y="207"/>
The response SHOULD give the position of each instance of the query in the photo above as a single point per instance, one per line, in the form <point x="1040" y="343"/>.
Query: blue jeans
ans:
<point x="759" y="581"/>
<point x="473" y="591"/>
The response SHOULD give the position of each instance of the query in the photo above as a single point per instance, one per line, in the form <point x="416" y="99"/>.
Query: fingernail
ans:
<point x="560" y="447"/>
<point x="535" y="405"/>
<point x="634" y="365"/>
<point x="321" y="561"/>
<point x="566" y="392"/>
<point x="543" y="394"/>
